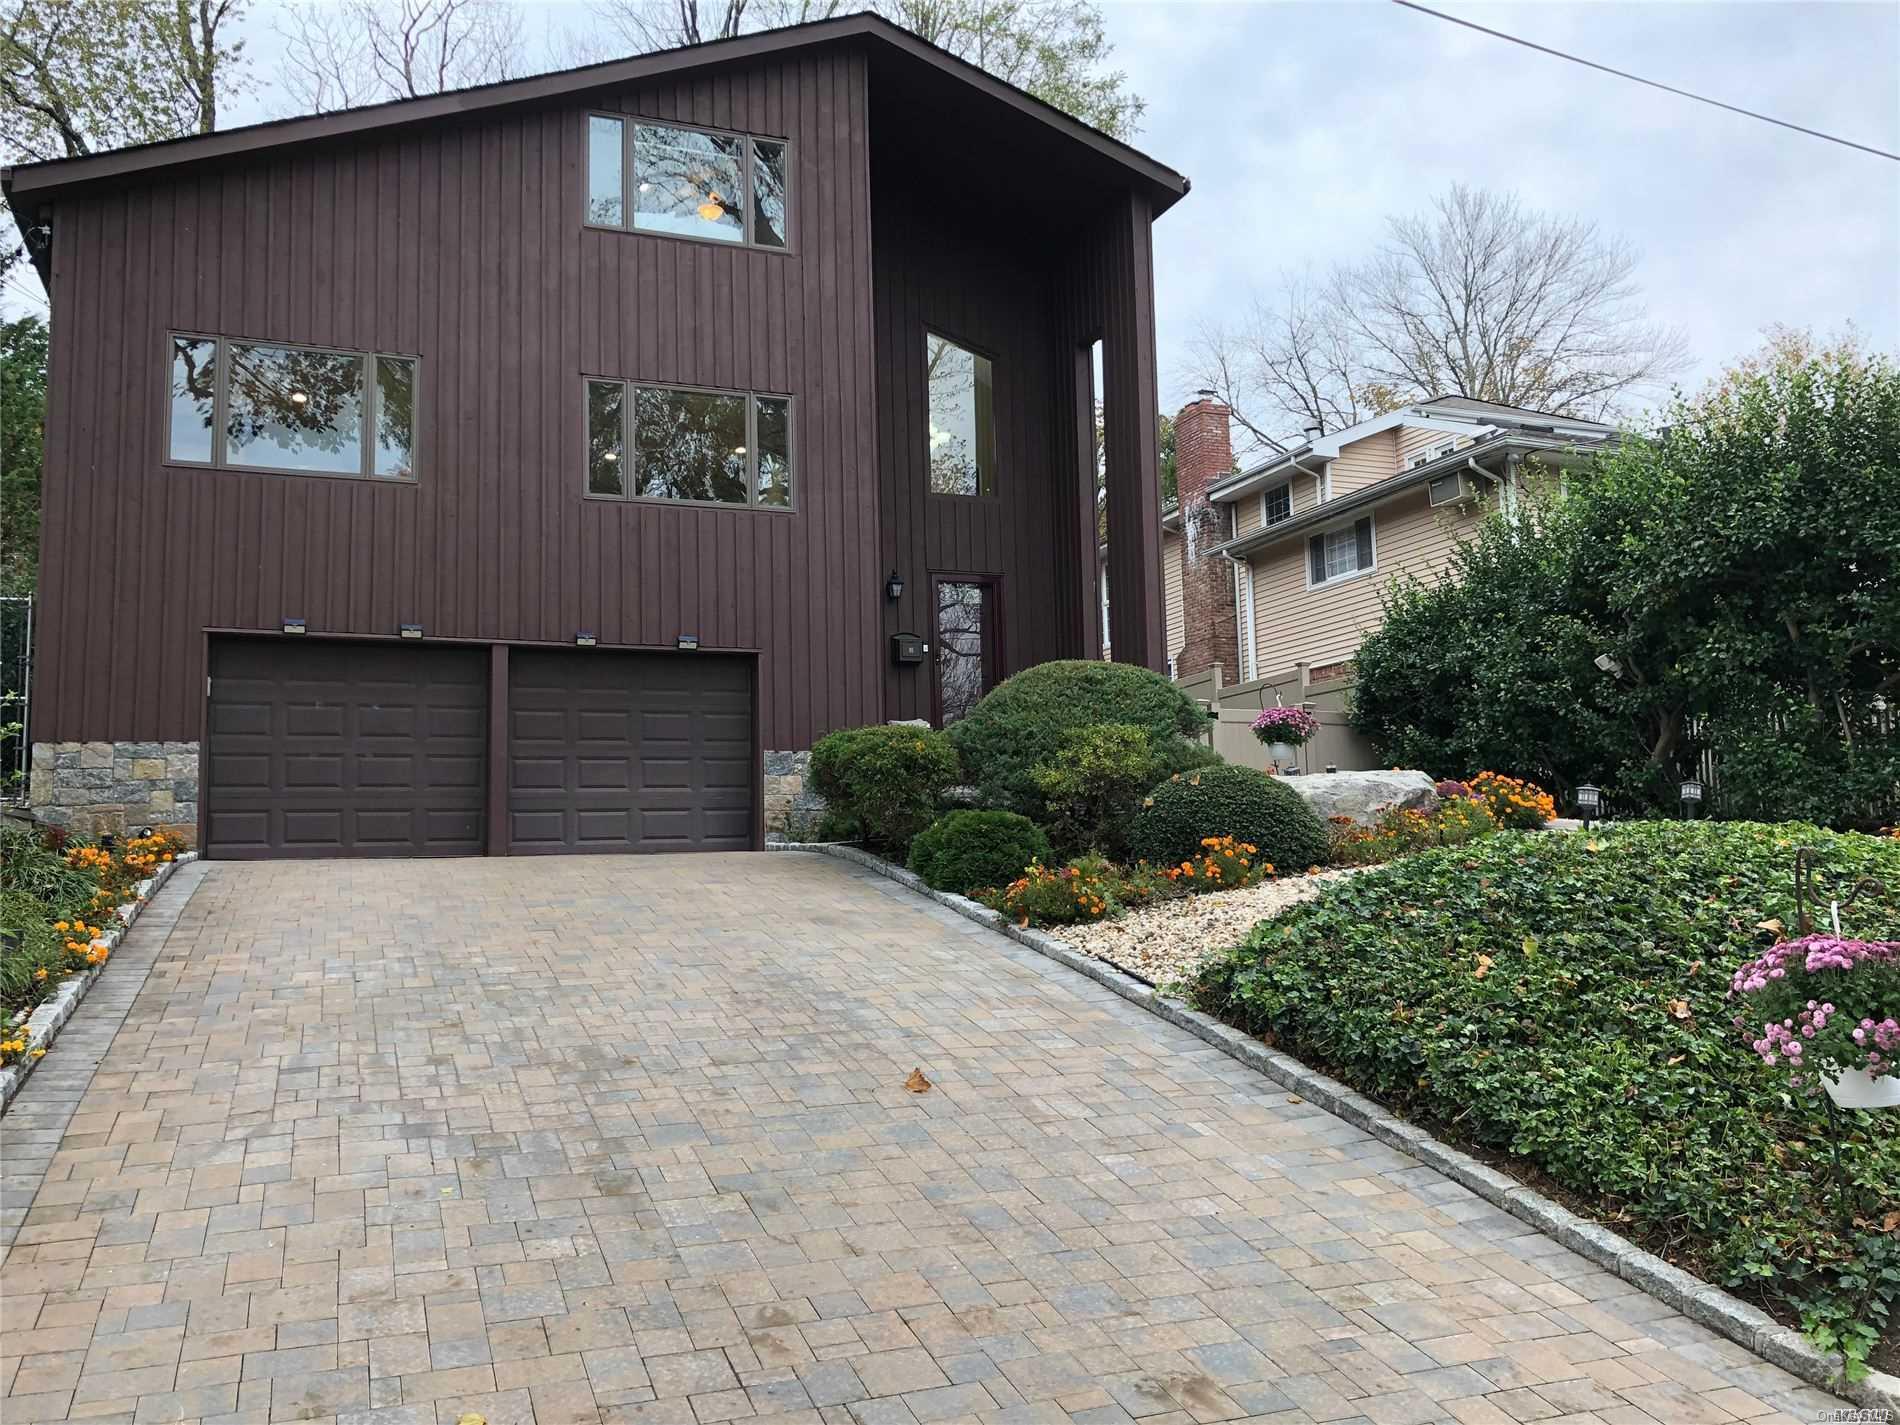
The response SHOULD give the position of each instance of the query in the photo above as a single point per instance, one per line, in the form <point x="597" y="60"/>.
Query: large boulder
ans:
<point x="1363" y="795"/>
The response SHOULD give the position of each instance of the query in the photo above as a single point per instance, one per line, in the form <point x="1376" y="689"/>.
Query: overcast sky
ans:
<point x="1304" y="125"/>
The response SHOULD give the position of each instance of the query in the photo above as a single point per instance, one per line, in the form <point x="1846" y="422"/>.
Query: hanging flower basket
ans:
<point x="1828" y="1010"/>
<point x="1293" y="727"/>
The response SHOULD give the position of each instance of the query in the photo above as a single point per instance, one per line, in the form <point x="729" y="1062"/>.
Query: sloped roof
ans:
<point x="27" y="183"/>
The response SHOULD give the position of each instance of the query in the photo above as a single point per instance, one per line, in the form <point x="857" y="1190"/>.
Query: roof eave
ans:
<point x="1255" y="540"/>
<point x="34" y="180"/>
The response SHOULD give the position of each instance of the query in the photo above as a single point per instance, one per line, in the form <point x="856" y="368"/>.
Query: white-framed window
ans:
<point x="1276" y="504"/>
<point x="1341" y="553"/>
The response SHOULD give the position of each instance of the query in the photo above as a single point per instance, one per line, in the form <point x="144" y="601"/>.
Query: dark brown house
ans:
<point x="516" y="469"/>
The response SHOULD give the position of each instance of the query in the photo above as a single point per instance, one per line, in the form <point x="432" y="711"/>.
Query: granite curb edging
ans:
<point x="1682" y="1291"/>
<point x="44" y="1023"/>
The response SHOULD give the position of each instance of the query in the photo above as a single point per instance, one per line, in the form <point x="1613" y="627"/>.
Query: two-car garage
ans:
<point x="400" y="748"/>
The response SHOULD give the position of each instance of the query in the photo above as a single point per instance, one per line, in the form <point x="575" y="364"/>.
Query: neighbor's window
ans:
<point x="962" y="419"/>
<point x="299" y="410"/>
<point x="686" y="182"/>
<point x="1340" y="553"/>
<point x="706" y="447"/>
<point x="1277" y="504"/>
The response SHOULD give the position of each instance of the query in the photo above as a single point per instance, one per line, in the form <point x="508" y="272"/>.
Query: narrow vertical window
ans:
<point x="395" y="418"/>
<point x="768" y="193"/>
<point x="194" y="398"/>
<point x="606" y="183"/>
<point x="774" y="484"/>
<point x="961" y="436"/>
<point x="606" y="437"/>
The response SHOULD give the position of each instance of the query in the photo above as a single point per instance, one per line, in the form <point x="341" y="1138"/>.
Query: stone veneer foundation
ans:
<point x="94" y="787"/>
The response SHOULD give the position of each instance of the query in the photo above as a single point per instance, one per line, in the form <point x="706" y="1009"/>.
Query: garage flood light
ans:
<point x="584" y="639"/>
<point x="293" y="625"/>
<point x="411" y="630"/>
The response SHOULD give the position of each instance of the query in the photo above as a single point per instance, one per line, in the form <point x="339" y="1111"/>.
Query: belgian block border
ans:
<point x="1679" y="1290"/>
<point x="43" y="1025"/>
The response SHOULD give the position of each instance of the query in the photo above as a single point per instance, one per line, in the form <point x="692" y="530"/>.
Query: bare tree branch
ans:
<point x="363" y="51"/>
<point x="1478" y="297"/>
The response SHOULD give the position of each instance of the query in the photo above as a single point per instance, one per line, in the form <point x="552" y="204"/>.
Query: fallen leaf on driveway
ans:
<point x="916" y="1083"/>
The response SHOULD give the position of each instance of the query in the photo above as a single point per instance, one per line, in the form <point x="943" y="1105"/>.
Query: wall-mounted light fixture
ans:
<point x="584" y="639"/>
<point x="894" y="587"/>
<point x="687" y="642"/>
<point x="412" y="630"/>
<point x="293" y="625"/>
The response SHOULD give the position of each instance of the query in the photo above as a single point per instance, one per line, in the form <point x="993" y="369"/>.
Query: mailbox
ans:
<point x="908" y="648"/>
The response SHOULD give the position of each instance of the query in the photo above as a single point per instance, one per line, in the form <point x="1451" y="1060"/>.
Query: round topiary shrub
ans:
<point x="969" y="851"/>
<point x="1231" y="801"/>
<point x="1024" y="721"/>
<point x="888" y="779"/>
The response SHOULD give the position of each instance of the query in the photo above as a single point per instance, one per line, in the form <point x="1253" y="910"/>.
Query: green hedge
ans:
<point x="1561" y="997"/>
<point x="1227" y="801"/>
<point x="1024" y="720"/>
<point x="889" y="779"/>
<point x="969" y="851"/>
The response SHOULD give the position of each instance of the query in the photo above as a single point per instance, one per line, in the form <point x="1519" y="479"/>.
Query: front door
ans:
<point x="966" y="644"/>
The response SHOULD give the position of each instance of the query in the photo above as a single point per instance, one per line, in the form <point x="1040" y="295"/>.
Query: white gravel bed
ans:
<point x="1162" y="943"/>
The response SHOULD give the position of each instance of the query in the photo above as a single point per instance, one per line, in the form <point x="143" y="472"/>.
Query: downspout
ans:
<point x="1243" y="635"/>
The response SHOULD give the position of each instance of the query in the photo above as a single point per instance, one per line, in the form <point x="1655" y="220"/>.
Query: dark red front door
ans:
<point x="966" y="644"/>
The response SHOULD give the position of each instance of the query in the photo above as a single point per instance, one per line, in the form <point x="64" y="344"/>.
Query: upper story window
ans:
<point x="701" y="447"/>
<point x="1277" y="504"/>
<point x="302" y="410"/>
<point x="694" y="183"/>
<point x="1340" y="553"/>
<point x="961" y="439"/>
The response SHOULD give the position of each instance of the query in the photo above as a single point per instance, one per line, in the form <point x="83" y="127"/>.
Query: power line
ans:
<point x="1652" y="83"/>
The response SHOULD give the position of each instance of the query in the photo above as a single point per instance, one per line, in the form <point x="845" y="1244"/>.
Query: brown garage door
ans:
<point x="629" y="751"/>
<point x="339" y="749"/>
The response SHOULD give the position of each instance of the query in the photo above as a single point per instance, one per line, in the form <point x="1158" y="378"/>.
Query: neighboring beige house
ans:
<point x="1274" y="574"/>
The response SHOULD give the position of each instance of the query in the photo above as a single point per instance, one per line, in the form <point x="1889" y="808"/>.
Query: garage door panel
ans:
<point x="610" y="751"/>
<point x="334" y="749"/>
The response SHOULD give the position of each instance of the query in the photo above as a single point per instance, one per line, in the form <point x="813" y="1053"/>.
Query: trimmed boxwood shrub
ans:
<point x="1024" y="720"/>
<point x="888" y="779"/>
<point x="1231" y="801"/>
<point x="969" y="851"/>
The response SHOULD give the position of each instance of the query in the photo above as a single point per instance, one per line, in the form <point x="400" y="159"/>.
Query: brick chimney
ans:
<point x="1204" y="454"/>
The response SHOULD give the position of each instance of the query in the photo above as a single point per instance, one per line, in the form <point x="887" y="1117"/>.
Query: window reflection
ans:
<point x="194" y="397"/>
<point x="768" y="193"/>
<point x="688" y="183"/>
<point x="606" y="202"/>
<point x="395" y="417"/>
<point x="289" y="408"/>
<point x="961" y="436"/>
<point x="775" y="451"/>
<point x="963" y="644"/>
<point x="606" y="447"/>
<point x="689" y="445"/>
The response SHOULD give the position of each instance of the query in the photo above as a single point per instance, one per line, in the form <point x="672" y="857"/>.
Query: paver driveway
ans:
<point x="627" y="1139"/>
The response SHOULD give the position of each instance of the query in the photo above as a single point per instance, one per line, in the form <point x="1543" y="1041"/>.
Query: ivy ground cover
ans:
<point x="1562" y="998"/>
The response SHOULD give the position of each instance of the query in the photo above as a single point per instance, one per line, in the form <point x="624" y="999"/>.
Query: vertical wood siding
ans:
<point x="463" y="244"/>
<point x="932" y="274"/>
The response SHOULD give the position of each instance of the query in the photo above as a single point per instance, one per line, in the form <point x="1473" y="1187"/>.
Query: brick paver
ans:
<point x="619" y="1139"/>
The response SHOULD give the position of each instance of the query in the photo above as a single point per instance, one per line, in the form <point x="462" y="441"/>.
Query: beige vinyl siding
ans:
<point x="1247" y="513"/>
<point x="1174" y="617"/>
<point x="1293" y="623"/>
<point x="1306" y="488"/>
<point x="1366" y="462"/>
